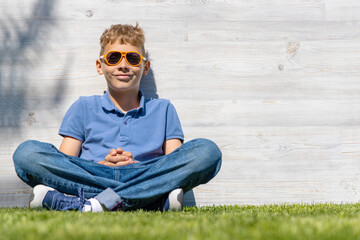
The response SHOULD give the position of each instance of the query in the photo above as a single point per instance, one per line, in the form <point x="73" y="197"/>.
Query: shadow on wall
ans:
<point x="22" y="46"/>
<point x="147" y="84"/>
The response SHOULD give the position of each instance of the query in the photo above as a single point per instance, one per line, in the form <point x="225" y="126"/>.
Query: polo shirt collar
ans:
<point x="110" y="106"/>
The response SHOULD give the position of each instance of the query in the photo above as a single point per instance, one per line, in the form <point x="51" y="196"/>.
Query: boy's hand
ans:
<point x="117" y="158"/>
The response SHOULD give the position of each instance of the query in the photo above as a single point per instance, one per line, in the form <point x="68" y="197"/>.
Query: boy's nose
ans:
<point x="123" y="64"/>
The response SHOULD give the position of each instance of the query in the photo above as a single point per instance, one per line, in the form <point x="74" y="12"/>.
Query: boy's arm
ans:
<point x="171" y="144"/>
<point x="70" y="146"/>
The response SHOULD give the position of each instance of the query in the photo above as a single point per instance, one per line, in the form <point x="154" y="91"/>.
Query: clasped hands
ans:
<point x="118" y="157"/>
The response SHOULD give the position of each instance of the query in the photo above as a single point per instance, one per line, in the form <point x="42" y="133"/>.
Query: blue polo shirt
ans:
<point x="101" y="126"/>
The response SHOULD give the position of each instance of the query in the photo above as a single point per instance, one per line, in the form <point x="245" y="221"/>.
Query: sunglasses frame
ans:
<point x="123" y="55"/>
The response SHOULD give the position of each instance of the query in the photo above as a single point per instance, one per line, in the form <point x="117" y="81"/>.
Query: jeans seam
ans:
<point x="116" y="174"/>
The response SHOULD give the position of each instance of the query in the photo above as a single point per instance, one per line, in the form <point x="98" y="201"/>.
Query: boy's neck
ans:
<point x="125" y="101"/>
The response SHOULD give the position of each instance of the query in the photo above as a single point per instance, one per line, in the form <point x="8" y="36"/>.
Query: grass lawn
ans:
<point x="298" y="221"/>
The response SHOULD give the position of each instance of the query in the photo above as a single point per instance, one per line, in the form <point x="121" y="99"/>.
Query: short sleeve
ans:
<point x="73" y="122"/>
<point x="173" y="125"/>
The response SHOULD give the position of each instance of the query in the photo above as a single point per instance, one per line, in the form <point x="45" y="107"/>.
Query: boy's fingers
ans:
<point x="124" y="163"/>
<point x="111" y="159"/>
<point x="117" y="158"/>
<point x="108" y="158"/>
<point x="128" y="154"/>
<point x="110" y="164"/>
<point x="119" y="163"/>
<point x="112" y="152"/>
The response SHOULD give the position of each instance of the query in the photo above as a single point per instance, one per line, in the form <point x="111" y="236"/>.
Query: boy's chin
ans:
<point x="123" y="89"/>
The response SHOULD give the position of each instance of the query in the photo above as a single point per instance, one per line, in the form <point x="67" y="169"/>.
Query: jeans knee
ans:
<point x="209" y="153"/>
<point x="24" y="153"/>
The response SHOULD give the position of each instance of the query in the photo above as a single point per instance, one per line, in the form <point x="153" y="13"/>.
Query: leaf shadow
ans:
<point x="23" y="45"/>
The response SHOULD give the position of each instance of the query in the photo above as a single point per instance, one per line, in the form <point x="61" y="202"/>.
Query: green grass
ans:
<point x="298" y="221"/>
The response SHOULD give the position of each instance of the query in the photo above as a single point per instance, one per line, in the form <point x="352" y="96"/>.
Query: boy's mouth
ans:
<point x="122" y="76"/>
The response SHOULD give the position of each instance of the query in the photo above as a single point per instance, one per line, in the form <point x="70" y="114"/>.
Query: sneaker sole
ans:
<point x="176" y="200"/>
<point x="37" y="196"/>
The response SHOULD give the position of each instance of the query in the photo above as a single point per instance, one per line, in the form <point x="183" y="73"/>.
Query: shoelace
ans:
<point x="70" y="202"/>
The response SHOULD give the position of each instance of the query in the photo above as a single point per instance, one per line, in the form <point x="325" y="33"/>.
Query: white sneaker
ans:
<point x="37" y="196"/>
<point x="43" y="197"/>
<point x="175" y="200"/>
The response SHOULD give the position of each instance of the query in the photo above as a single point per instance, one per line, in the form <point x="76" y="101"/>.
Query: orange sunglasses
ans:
<point x="113" y="58"/>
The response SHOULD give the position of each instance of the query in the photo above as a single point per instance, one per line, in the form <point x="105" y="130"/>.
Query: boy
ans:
<point x="120" y="150"/>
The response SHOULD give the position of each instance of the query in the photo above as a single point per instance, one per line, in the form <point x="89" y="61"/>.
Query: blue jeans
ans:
<point x="139" y="185"/>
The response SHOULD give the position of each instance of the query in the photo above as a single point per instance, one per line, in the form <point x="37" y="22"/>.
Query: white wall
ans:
<point x="274" y="83"/>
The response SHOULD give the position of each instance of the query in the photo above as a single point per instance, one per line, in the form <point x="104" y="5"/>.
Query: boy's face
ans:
<point x="122" y="77"/>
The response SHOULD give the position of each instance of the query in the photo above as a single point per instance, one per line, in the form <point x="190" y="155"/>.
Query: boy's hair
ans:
<point x="123" y="34"/>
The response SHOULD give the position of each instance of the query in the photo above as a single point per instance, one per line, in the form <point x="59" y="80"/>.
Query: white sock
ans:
<point x="92" y="205"/>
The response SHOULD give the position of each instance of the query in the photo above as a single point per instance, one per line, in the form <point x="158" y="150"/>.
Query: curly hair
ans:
<point x="123" y="34"/>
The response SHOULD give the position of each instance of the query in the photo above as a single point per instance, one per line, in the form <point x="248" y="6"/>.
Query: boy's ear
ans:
<point x="98" y="67"/>
<point x="146" y="68"/>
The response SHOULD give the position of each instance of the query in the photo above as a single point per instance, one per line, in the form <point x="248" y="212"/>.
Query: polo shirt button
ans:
<point x="125" y="123"/>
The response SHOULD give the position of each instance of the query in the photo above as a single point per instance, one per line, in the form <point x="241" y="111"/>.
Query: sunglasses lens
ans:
<point x="133" y="58"/>
<point x="113" y="57"/>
